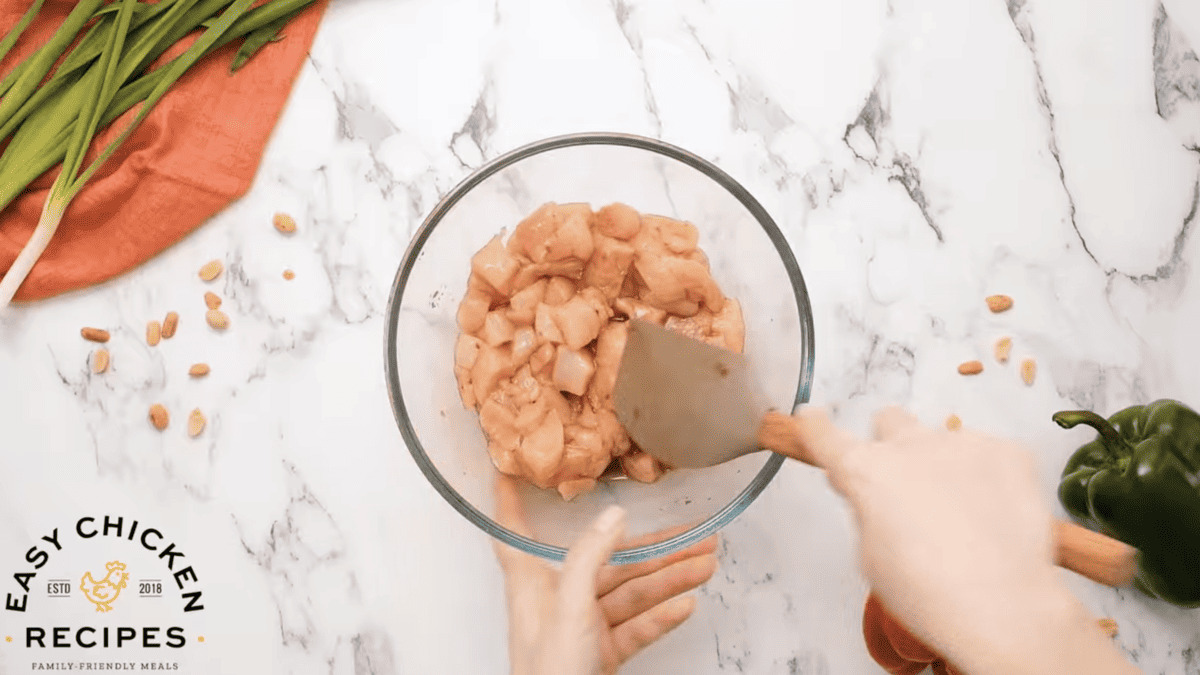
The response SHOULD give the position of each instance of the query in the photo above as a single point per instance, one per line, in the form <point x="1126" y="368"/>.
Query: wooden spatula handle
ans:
<point x="1097" y="557"/>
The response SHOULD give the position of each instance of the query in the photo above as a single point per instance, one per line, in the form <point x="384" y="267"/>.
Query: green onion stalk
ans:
<point x="102" y="78"/>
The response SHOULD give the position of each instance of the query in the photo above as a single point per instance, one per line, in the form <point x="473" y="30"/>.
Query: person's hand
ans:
<point x="591" y="617"/>
<point x="955" y="539"/>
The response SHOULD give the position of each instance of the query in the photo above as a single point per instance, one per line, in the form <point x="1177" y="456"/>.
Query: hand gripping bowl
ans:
<point x="750" y="260"/>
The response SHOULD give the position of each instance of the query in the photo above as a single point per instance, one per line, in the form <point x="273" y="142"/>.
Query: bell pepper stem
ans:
<point x="1070" y="418"/>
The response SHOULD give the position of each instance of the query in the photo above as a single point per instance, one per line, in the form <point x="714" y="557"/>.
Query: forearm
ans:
<point x="1050" y="633"/>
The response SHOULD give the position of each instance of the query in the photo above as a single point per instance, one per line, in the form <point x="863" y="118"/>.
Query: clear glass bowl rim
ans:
<point x="555" y="553"/>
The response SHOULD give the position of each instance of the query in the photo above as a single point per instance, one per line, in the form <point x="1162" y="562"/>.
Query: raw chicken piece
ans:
<point x="573" y="370"/>
<point x="571" y="489"/>
<point x="609" y="265"/>
<point x="532" y="233"/>
<point x="558" y="403"/>
<point x="545" y="326"/>
<point x="531" y="416"/>
<point x="570" y="268"/>
<point x="662" y="287"/>
<point x="497" y="329"/>
<point x="698" y="256"/>
<point x="641" y="467"/>
<point x="466" y="351"/>
<point x="495" y="265"/>
<point x="610" y="345"/>
<point x="524" y="343"/>
<point x="583" y="454"/>
<point x="573" y="239"/>
<point x="492" y="365"/>
<point x="612" y="433"/>
<point x="636" y="309"/>
<point x="499" y="424"/>
<point x="542" y="357"/>
<point x="473" y="310"/>
<point x="504" y="459"/>
<point x="697" y="327"/>
<point x="541" y="451"/>
<point x="675" y="284"/>
<point x="697" y="282"/>
<point x="558" y="291"/>
<point x="618" y="221"/>
<point x="676" y="235"/>
<point x="554" y="233"/>
<point x="524" y="303"/>
<point x="729" y="325"/>
<point x="580" y="320"/>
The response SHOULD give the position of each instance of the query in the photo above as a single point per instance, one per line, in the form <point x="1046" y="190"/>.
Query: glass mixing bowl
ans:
<point x="750" y="260"/>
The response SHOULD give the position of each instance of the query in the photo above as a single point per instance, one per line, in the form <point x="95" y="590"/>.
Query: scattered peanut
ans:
<point x="212" y="300"/>
<point x="195" y="423"/>
<point x="1003" y="347"/>
<point x="100" y="360"/>
<point x="284" y="223"/>
<point x="1028" y="371"/>
<point x="289" y="275"/>
<point x="199" y="370"/>
<point x="970" y="368"/>
<point x="217" y="319"/>
<point x="154" y="332"/>
<point x="953" y="423"/>
<point x="999" y="303"/>
<point x="211" y="270"/>
<point x="169" y="325"/>
<point x="1108" y="626"/>
<point x="94" y="334"/>
<point x="159" y="417"/>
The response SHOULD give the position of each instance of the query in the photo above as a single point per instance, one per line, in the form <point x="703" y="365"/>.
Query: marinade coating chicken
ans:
<point x="544" y="326"/>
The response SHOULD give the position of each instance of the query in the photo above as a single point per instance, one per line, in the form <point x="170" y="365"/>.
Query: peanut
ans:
<point x="217" y="319"/>
<point x="1003" y="347"/>
<point x="1108" y="627"/>
<point x="154" y="332"/>
<point x="1028" y="371"/>
<point x="953" y="423"/>
<point x="159" y="417"/>
<point x="970" y="368"/>
<point x="169" y="325"/>
<point x="211" y="270"/>
<point x="999" y="303"/>
<point x="94" y="334"/>
<point x="195" y="423"/>
<point x="284" y="223"/>
<point x="212" y="300"/>
<point x="100" y="361"/>
<point x="199" y="370"/>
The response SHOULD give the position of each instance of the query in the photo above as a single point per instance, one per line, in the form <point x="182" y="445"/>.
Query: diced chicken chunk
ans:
<point x="618" y="221"/>
<point x="573" y="370"/>
<point x="473" y="310"/>
<point x="580" y="319"/>
<point x="496" y="265"/>
<point x="492" y="365"/>
<point x="524" y="303"/>
<point x="678" y="236"/>
<point x="641" y="467"/>
<point x="542" y="357"/>
<point x="583" y="453"/>
<point x="558" y="291"/>
<point x="545" y="325"/>
<point x="541" y="451"/>
<point x="729" y="325"/>
<point x="570" y="489"/>
<point x="610" y="346"/>
<point x="553" y="234"/>
<point x="524" y="343"/>
<point x="497" y="329"/>
<point x="607" y="269"/>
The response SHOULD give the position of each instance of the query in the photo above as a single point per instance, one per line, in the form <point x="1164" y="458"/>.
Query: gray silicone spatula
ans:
<point x="686" y="402"/>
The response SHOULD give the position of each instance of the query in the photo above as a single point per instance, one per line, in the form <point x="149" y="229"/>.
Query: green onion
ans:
<point x="27" y="18"/>
<point x="98" y="82"/>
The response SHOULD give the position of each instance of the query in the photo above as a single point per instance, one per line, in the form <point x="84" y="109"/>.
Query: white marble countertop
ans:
<point x="918" y="155"/>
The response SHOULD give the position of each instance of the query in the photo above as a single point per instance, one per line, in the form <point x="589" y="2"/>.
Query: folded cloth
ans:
<point x="893" y="647"/>
<point x="196" y="152"/>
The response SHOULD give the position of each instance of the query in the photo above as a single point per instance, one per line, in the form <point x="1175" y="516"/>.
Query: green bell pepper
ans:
<point x="1139" y="482"/>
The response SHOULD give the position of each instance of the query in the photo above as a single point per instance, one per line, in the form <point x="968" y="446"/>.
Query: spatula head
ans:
<point x="686" y="402"/>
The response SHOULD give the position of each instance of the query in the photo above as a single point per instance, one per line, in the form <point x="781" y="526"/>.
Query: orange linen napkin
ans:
<point x="194" y="154"/>
<point x="893" y="647"/>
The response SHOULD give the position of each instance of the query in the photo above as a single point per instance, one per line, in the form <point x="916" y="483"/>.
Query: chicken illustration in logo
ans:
<point x="102" y="593"/>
